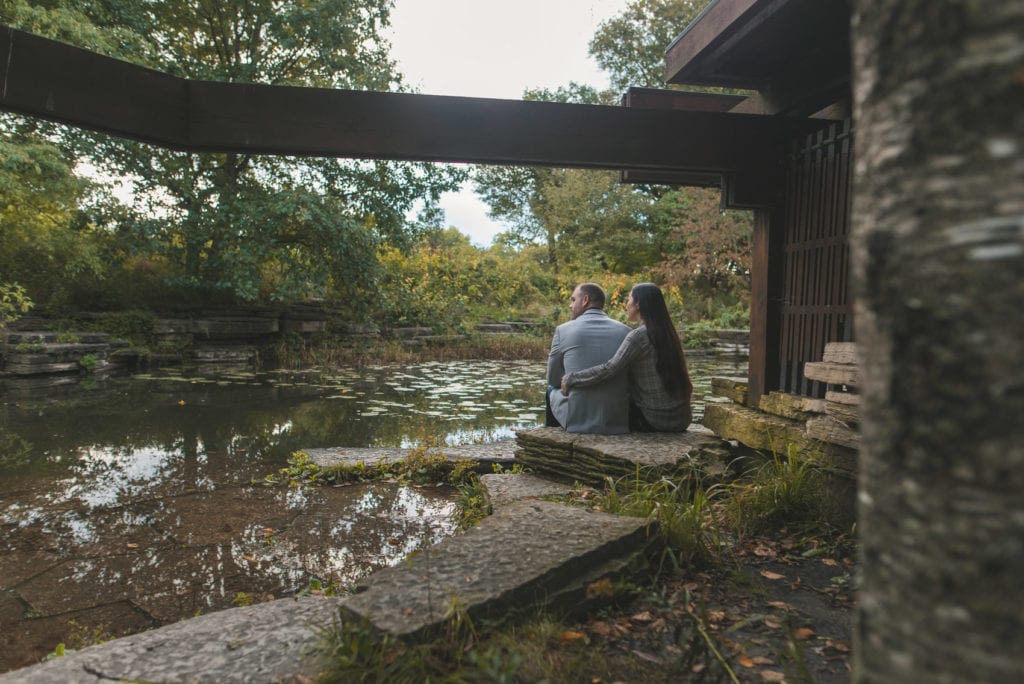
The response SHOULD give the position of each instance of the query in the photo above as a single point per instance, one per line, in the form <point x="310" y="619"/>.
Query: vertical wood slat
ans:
<point x="815" y="307"/>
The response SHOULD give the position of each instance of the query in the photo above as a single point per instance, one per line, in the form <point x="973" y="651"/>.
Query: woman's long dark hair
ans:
<point x="669" y="358"/>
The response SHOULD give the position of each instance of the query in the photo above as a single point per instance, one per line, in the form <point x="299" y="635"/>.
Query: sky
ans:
<point x="494" y="48"/>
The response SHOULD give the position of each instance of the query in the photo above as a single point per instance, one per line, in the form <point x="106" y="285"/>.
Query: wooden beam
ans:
<point x="658" y="98"/>
<point x="765" y="299"/>
<point x="51" y="80"/>
<point x="700" y="180"/>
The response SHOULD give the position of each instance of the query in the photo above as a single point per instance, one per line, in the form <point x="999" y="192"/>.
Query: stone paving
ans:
<point x="528" y="553"/>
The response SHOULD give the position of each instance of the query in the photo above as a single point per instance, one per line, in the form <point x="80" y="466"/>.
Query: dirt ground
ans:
<point x="776" y="610"/>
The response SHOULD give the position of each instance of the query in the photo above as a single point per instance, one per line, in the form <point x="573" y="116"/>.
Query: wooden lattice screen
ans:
<point x="816" y="307"/>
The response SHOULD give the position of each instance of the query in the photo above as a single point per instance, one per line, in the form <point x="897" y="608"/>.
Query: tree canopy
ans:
<point x="255" y="227"/>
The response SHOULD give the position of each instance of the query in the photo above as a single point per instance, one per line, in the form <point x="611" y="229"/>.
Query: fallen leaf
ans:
<point x="699" y="667"/>
<point x="251" y="559"/>
<point x="747" y="661"/>
<point x="772" y="676"/>
<point x="761" y="660"/>
<point x="468" y="580"/>
<point x="772" y="575"/>
<point x="568" y="636"/>
<point x="837" y="645"/>
<point x="795" y="585"/>
<point x="181" y="402"/>
<point x="765" y="551"/>
<point x="772" y="623"/>
<point x="601" y="628"/>
<point x="803" y="633"/>
<point x="716" y="615"/>
<point x="132" y="546"/>
<point x="831" y="562"/>
<point x="782" y="605"/>
<point x="602" y="588"/>
<point x="645" y="616"/>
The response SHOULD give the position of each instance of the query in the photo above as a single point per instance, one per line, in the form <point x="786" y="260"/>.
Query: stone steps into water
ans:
<point x="529" y="554"/>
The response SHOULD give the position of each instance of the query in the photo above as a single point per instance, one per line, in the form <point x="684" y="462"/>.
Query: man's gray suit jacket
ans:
<point x="590" y="339"/>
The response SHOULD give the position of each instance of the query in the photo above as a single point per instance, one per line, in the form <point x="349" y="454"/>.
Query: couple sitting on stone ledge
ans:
<point x="607" y="379"/>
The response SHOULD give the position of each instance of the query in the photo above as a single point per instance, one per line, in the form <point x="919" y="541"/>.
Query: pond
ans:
<point x="127" y="503"/>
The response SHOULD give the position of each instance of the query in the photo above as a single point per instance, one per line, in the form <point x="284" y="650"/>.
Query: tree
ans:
<point x="708" y="251"/>
<point x="46" y="240"/>
<point x="253" y="226"/>
<point x="938" y="240"/>
<point x="631" y="46"/>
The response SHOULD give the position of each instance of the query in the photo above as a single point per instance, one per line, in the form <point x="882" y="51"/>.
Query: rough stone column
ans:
<point x="939" y="280"/>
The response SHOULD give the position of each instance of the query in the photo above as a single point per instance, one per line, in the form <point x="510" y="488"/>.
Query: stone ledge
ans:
<point x="765" y="432"/>
<point x="589" y="459"/>
<point x="503" y="489"/>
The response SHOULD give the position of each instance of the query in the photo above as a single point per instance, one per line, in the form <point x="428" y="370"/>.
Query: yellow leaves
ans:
<point x="602" y="588"/>
<point x="569" y="636"/>
<point x="768" y="574"/>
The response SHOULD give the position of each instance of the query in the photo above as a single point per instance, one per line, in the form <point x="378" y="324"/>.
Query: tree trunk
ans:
<point x="938" y="244"/>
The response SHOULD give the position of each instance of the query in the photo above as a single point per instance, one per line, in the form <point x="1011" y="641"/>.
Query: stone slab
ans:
<point x="833" y="373"/>
<point x="793" y="406"/>
<point x="840" y="352"/>
<point x="516" y="559"/>
<point x="266" y="642"/>
<point x="501" y="452"/>
<point x="507" y="488"/>
<point x="591" y="459"/>
<point x="828" y="429"/>
<point x="843" y="406"/>
<point x="730" y="388"/>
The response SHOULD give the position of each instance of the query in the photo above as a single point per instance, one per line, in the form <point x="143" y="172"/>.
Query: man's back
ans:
<point x="590" y="339"/>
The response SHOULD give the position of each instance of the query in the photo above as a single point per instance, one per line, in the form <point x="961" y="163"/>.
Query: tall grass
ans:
<point x="785" y="491"/>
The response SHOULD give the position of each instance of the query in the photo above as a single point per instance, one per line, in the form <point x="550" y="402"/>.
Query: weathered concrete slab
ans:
<point x="267" y="642"/>
<point x="501" y="452"/>
<point x="507" y="488"/>
<point x="525" y="555"/>
<point x="589" y="459"/>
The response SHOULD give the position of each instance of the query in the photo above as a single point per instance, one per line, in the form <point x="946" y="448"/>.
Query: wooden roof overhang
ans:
<point x="55" y="81"/>
<point x="794" y="53"/>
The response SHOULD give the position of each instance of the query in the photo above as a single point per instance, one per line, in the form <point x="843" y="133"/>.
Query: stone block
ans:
<point x="843" y="406"/>
<point x="793" y="406"/>
<point x="833" y="373"/>
<point x="828" y="429"/>
<point x="730" y="388"/>
<point x="840" y="352"/>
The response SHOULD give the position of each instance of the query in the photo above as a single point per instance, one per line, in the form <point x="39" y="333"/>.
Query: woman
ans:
<point x="659" y="382"/>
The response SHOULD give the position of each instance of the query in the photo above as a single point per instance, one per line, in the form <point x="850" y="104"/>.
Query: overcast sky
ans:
<point x="494" y="48"/>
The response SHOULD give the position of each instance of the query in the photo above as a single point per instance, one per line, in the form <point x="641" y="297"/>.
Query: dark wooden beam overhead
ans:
<point x="46" y="79"/>
<point x="659" y="98"/>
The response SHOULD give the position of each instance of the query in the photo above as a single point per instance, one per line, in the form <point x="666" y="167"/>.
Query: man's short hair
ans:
<point x="595" y="293"/>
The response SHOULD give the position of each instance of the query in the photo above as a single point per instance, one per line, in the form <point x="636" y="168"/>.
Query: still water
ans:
<point x="127" y="503"/>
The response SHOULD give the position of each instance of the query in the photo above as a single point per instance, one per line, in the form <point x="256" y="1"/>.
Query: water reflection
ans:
<point x="127" y="503"/>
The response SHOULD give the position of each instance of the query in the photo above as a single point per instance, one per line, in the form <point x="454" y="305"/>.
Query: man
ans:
<point x="588" y="339"/>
